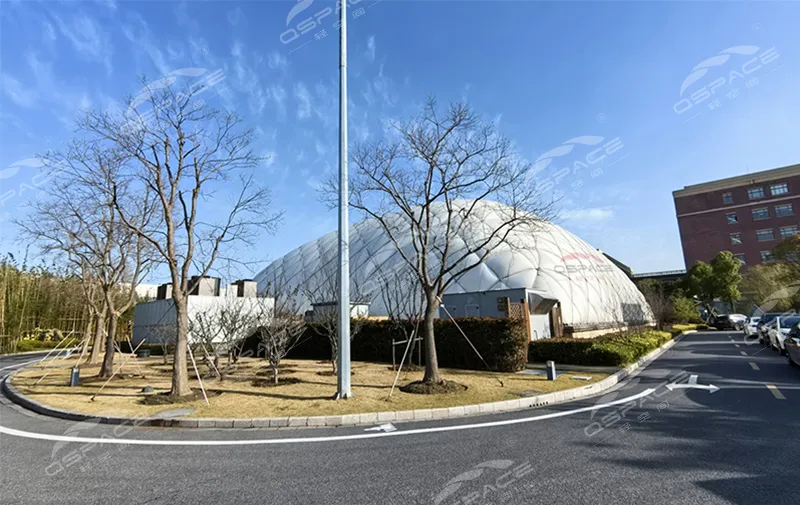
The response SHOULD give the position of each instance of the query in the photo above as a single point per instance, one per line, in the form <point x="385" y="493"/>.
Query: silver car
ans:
<point x="783" y="326"/>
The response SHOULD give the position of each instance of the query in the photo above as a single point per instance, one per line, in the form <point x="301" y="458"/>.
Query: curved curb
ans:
<point x="555" y="398"/>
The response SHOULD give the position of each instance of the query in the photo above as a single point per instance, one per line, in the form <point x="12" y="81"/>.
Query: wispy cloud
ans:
<point x="276" y="61"/>
<point x="234" y="16"/>
<point x="87" y="38"/>
<point x="20" y="94"/>
<point x="591" y="215"/>
<point x="138" y="32"/>
<point x="370" y="53"/>
<point x="303" y="101"/>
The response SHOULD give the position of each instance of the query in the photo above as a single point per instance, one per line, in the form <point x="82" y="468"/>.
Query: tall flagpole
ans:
<point x="343" y="379"/>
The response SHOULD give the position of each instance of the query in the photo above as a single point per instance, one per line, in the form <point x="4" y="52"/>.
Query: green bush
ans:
<point x="684" y="309"/>
<point x="43" y="335"/>
<point x="37" y="345"/>
<point x="608" y="350"/>
<point x="501" y="342"/>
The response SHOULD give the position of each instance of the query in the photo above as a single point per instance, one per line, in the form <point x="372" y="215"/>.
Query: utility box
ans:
<point x="75" y="376"/>
<point x="164" y="291"/>
<point x="205" y="286"/>
<point x="246" y="288"/>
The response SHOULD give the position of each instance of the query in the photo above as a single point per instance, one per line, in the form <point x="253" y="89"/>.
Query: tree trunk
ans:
<point x="86" y="338"/>
<point x="274" y="367"/>
<point x="180" y="375"/>
<point x="99" y="319"/>
<point x="108" y="360"/>
<point x="431" y="361"/>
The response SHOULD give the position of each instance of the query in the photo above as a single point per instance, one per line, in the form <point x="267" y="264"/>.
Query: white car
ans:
<point x="751" y="327"/>
<point x="778" y="333"/>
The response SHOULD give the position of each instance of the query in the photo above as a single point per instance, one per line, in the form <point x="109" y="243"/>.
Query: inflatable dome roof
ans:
<point x="593" y="292"/>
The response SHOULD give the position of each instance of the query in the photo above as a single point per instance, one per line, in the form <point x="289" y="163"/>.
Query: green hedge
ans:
<point x="37" y="345"/>
<point x="501" y="342"/>
<point x="608" y="350"/>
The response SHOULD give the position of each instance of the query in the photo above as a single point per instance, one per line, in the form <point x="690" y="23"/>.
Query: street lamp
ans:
<point x="343" y="378"/>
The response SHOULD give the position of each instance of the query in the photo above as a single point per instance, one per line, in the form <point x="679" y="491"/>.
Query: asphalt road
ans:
<point x="738" y="445"/>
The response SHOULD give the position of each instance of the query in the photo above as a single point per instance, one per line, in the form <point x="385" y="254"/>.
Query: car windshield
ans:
<point x="768" y="317"/>
<point x="789" y="322"/>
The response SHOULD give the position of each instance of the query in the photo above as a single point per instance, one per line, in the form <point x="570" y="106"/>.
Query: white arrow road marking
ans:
<point x="692" y="384"/>
<point x="335" y="438"/>
<point x="386" y="428"/>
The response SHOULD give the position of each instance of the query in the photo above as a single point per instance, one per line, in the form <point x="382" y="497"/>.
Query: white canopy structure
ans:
<point x="593" y="292"/>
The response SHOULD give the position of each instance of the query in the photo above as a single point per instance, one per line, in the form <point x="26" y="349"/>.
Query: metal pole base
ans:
<point x="342" y="396"/>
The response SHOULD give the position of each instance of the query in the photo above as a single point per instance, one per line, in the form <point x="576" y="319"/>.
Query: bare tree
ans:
<point x="164" y="334"/>
<point x="403" y="298"/>
<point x="80" y="220"/>
<point x="448" y="190"/>
<point x="224" y="327"/>
<point x="280" y="324"/>
<point x="321" y="290"/>
<point x="187" y="160"/>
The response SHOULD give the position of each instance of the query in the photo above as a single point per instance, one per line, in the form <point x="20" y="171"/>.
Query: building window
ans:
<point x="727" y="198"/>
<point x="736" y="238"/>
<point x="765" y="235"/>
<point x="760" y="214"/>
<point x="783" y="210"/>
<point x="732" y="219"/>
<point x="766" y="256"/>
<point x="788" y="231"/>
<point x="755" y="193"/>
<point x="741" y="257"/>
<point x="779" y="189"/>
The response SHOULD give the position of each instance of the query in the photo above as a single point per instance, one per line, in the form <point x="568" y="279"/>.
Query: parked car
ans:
<point x="792" y="344"/>
<point x="767" y="321"/>
<point x="751" y="327"/>
<point x="729" y="321"/>
<point x="783" y="326"/>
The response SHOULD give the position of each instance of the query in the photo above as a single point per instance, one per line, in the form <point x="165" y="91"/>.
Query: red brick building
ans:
<point x="746" y="215"/>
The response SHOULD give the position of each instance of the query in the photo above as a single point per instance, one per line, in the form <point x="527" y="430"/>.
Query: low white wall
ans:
<point x="154" y="321"/>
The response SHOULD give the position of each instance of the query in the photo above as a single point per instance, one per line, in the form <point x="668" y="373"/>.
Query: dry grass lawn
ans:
<point x="236" y="397"/>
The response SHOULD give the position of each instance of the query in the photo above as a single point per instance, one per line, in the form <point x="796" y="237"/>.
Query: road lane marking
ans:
<point x="334" y="438"/>
<point x="743" y="353"/>
<point x="776" y="392"/>
<point x="754" y="366"/>
<point x="736" y="345"/>
<point x="692" y="379"/>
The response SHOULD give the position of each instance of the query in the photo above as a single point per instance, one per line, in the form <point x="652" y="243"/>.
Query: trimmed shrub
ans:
<point x="617" y="349"/>
<point x="501" y="342"/>
<point x="38" y="345"/>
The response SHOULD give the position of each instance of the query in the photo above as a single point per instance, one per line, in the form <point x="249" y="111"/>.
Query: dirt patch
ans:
<point x="329" y="373"/>
<point x="269" y="383"/>
<point x="281" y="371"/>
<point x="166" y="399"/>
<point x="433" y="388"/>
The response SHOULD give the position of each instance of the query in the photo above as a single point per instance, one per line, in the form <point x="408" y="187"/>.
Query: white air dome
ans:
<point x="592" y="290"/>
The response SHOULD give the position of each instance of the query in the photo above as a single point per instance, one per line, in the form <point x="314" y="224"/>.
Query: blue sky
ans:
<point x="568" y="75"/>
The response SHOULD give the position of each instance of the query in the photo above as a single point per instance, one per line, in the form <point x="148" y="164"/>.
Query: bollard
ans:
<point x="551" y="370"/>
<point x="75" y="376"/>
